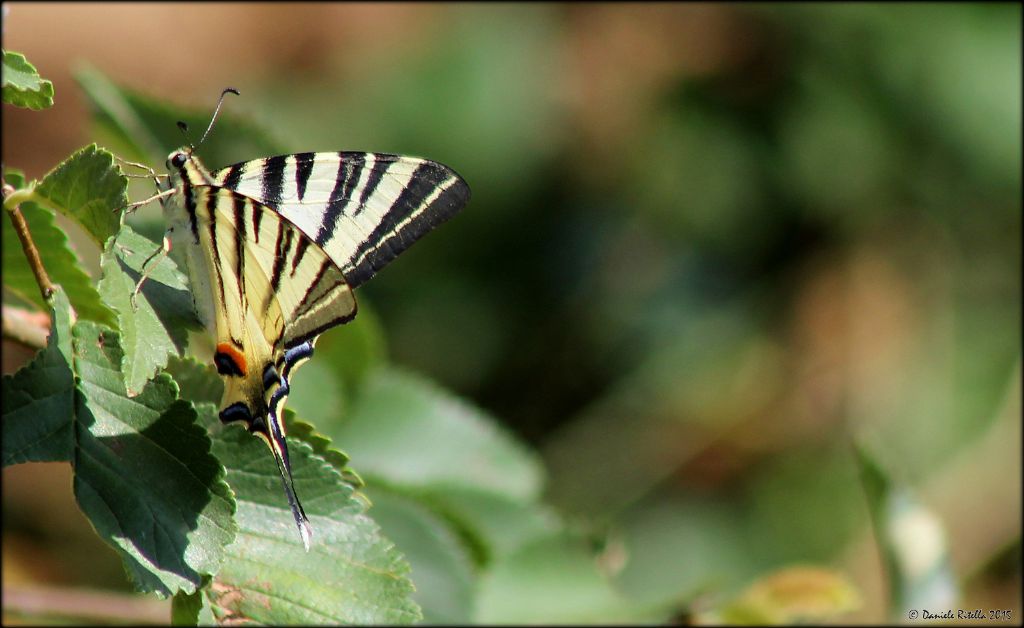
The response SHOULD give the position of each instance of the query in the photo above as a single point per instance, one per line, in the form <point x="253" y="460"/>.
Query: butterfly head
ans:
<point x="182" y="162"/>
<point x="184" y="166"/>
<point x="178" y="159"/>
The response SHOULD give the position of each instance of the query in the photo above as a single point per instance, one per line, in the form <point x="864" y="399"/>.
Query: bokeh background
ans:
<point x="710" y="247"/>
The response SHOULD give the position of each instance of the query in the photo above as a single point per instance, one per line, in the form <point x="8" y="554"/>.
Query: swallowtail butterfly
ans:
<point x="273" y="249"/>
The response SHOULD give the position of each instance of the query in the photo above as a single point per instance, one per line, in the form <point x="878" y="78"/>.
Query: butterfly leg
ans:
<point x="131" y="206"/>
<point x="149" y="173"/>
<point x="161" y="252"/>
<point x="135" y="164"/>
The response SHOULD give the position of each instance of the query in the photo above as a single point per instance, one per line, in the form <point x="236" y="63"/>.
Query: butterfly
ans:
<point x="274" y="248"/>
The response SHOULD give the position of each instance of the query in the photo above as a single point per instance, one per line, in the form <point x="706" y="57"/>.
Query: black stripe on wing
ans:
<point x="209" y="213"/>
<point x="273" y="179"/>
<point x="373" y="180"/>
<point x="350" y="165"/>
<point x="230" y="177"/>
<point x="238" y="207"/>
<point x="189" y="202"/>
<point x="300" y="251"/>
<point x="285" y="233"/>
<point x="434" y="194"/>
<point x="303" y="170"/>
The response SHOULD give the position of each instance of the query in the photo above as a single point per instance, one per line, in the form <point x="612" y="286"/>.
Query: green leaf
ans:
<point x="442" y="568"/>
<point x="143" y="473"/>
<point x="492" y="524"/>
<point x="322" y="447"/>
<point x="38" y="400"/>
<point x="679" y="548"/>
<point x="158" y="328"/>
<point x="412" y="434"/>
<point x="59" y="260"/>
<point x="318" y="393"/>
<point x="551" y="580"/>
<point x="185" y="608"/>
<point x="23" y="87"/>
<point x="912" y="541"/>
<point x="198" y="383"/>
<point x="147" y="128"/>
<point x="356" y="349"/>
<point x="87" y="188"/>
<point x="351" y="574"/>
<point x="789" y="596"/>
<point x="191" y="610"/>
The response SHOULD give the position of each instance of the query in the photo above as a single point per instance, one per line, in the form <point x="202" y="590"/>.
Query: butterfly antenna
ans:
<point x="229" y="90"/>
<point x="184" y="131"/>
<point x="184" y="127"/>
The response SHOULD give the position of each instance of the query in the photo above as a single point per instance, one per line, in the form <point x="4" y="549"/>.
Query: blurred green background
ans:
<point x="709" y="247"/>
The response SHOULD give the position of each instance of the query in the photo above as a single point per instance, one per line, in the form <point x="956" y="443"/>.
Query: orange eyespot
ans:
<point x="229" y="360"/>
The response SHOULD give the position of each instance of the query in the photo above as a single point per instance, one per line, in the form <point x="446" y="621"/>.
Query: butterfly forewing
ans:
<point x="363" y="209"/>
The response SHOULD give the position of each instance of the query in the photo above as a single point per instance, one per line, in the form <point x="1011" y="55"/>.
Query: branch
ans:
<point x="28" y="328"/>
<point x="34" y="261"/>
<point x="84" y="604"/>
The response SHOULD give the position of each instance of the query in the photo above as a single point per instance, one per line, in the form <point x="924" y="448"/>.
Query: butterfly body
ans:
<point x="273" y="249"/>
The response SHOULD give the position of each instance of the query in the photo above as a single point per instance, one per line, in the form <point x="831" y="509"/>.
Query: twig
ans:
<point x="34" y="261"/>
<point x="84" y="604"/>
<point x="24" y="327"/>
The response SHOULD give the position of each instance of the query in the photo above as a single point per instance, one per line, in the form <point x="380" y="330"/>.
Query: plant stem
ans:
<point x="98" y="606"/>
<point x="27" y="328"/>
<point x="34" y="261"/>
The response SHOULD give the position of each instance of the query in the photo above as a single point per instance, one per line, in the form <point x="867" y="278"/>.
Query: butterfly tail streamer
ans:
<point x="279" y="447"/>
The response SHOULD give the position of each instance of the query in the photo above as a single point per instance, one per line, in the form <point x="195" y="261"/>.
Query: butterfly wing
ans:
<point x="269" y="292"/>
<point x="363" y="209"/>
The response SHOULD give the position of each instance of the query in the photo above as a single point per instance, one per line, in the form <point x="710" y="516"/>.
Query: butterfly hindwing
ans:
<point x="362" y="208"/>
<point x="292" y="286"/>
<point x="271" y="292"/>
